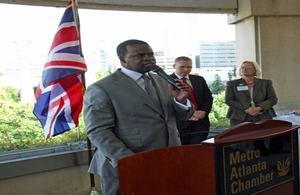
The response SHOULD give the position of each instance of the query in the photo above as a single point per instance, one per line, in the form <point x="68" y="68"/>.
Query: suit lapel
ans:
<point x="241" y="82"/>
<point x="162" y="91"/>
<point x="195" y="85"/>
<point x="174" y="76"/>
<point x="257" y="87"/>
<point x="130" y="86"/>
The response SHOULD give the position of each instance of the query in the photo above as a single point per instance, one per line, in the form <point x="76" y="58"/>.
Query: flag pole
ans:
<point x="90" y="155"/>
<point x="75" y="11"/>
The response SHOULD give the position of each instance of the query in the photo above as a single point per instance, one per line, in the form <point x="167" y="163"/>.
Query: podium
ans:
<point x="250" y="158"/>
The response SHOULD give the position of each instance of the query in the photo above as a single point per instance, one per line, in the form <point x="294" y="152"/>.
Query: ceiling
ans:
<point x="186" y="6"/>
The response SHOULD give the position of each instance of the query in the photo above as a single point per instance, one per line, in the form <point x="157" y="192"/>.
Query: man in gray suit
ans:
<point x="122" y="119"/>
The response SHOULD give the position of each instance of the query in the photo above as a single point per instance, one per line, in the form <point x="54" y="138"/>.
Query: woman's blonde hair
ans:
<point x="256" y="66"/>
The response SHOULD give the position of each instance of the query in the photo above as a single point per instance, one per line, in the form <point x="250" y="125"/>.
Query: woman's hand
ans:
<point x="254" y="111"/>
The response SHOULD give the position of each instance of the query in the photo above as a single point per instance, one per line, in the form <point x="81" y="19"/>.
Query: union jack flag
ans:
<point x="59" y="95"/>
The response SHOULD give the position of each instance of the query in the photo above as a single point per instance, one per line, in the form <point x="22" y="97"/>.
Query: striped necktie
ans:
<point x="192" y="95"/>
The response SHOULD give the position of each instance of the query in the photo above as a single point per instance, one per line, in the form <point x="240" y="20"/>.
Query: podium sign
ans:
<point x="250" y="158"/>
<point x="251" y="168"/>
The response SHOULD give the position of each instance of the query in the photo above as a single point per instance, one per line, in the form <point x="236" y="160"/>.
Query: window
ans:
<point x="26" y="38"/>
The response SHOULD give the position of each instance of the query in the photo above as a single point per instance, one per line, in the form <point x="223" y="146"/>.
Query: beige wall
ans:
<point x="280" y="54"/>
<point x="269" y="33"/>
<point x="70" y="181"/>
<point x="246" y="40"/>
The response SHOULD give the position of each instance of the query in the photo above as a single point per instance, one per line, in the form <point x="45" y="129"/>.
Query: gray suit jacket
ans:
<point x="239" y="100"/>
<point x="122" y="120"/>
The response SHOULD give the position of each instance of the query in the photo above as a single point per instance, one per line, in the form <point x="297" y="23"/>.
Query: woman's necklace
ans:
<point x="250" y="83"/>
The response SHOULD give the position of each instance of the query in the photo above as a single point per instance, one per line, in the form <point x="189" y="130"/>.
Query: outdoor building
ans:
<point x="217" y="54"/>
<point x="216" y="58"/>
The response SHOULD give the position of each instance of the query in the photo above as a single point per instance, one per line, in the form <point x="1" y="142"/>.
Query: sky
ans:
<point x="34" y="27"/>
<point x="174" y="31"/>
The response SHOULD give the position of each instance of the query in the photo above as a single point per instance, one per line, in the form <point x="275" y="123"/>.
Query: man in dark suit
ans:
<point x="194" y="130"/>
<point x="131" y="111"/>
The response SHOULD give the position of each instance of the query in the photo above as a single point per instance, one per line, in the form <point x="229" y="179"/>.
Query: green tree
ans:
<point x="230" y="75"/>
<point x="20" y="129"/>
<point x="9" y="93"/>
<point x="217" y="116"/>
<point x="101" y="74"/>
<point x="217" y="85"/>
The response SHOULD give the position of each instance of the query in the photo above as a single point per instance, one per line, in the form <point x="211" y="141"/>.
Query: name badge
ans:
<point x="242" y="88"/>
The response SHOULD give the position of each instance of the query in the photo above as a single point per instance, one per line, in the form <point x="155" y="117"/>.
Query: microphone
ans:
<point x="165" y="76"/>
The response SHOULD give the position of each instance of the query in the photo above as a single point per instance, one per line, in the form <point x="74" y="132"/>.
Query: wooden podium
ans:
<point x="251" y="158"/>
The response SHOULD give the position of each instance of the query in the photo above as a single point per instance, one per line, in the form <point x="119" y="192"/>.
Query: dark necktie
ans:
<point x="192" y="95"/>
<point x="150" y="88"/>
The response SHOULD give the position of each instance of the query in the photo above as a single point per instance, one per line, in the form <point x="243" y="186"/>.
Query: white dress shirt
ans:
<point x="136" y="77"/>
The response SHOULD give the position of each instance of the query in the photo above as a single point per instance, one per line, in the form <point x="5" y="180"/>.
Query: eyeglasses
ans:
<point x="247" y="68"/>
<point x="187" y="67"/>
